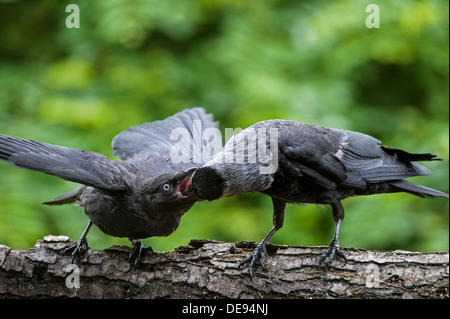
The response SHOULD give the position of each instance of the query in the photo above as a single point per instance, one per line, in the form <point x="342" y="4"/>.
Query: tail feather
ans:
<point x="68" y="198"/>
<point x="410" y="157"/>
<point x="416" y="189"/>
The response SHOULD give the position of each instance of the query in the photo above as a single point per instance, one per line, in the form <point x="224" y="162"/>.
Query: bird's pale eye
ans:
<point x="166" y="187"/>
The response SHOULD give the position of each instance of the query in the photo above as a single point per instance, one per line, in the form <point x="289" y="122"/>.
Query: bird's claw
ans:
<point x="78" y="249"/>
<point x="333" y="251"/>
<point x="259" y="254"/>
<point x="136" y="251"/>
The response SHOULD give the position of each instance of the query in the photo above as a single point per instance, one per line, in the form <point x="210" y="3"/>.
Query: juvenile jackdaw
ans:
<point x="138" y="197"/>
<point x="294" y="162"/>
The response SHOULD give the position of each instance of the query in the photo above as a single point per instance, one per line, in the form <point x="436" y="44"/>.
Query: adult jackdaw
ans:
<point x="294" y="162"/>
<point x="137" y="197"/>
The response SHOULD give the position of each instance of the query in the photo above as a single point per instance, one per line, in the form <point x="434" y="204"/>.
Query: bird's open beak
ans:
<point x="184" y="183"/>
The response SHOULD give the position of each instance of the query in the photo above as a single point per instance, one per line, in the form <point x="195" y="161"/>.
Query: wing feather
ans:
<point x="85" y="167"/>
<point x="152" y="140"/>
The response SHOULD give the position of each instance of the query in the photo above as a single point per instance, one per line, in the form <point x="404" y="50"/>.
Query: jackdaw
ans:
<point x="136" y="198"/>
<point x="301" y="163"/>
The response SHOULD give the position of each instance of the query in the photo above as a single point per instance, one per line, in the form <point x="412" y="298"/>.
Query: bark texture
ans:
<point x="209" y="269"/>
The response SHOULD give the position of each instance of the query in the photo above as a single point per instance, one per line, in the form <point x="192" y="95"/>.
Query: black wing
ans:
<point x="332" y="157"/>
<point x="365" y="158"/>
<point x="74" y="165"/>
<point x="150" y="144"/>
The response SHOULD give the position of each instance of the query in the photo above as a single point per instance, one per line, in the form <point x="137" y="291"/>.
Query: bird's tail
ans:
<point x="416" y="189"/>
<point x="410" y="157"/>
<point x="67" y="198"/>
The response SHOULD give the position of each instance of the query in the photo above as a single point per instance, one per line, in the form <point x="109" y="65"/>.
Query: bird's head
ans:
<point x="205" y="183"/>
<point x="169" y="190"/>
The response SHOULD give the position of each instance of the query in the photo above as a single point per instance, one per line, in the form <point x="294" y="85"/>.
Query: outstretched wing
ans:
<point x="74" y="165"/>
<point x="151" y="143"/>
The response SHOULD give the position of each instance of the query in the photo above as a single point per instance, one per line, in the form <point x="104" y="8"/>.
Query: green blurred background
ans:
<point x="244" y="61"/>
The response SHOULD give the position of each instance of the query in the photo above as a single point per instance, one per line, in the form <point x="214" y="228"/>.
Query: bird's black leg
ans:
<point x="334" y="248"/>
<point x="81" y="245"/>
<point x="260" y="252"/>
<point x="136" y="251"/>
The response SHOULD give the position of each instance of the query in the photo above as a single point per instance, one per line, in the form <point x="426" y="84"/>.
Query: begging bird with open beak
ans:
<point x="138" y="197"/>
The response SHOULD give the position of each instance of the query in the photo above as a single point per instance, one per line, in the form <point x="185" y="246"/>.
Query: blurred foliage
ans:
<point x="244" y="61"/>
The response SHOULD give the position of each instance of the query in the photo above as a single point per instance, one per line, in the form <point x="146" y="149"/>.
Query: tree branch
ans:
<point x="209" y="269"/>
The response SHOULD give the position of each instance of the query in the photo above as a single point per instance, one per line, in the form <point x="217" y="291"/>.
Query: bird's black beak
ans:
<point x="184" y="181"/>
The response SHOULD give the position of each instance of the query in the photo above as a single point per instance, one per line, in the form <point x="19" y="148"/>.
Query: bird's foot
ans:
<point x="78" y="249"/>
<point x="332" y="251"/>
<point x="136" y="251"/>
<point x="258" y="255"/>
